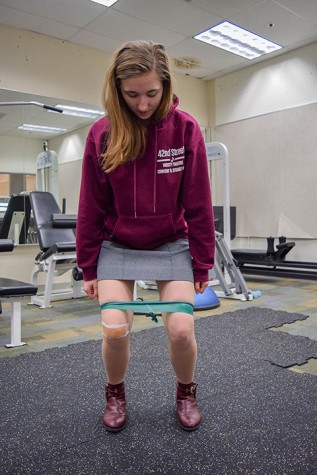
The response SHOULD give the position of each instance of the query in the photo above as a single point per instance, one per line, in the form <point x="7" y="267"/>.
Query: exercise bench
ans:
<point x="12" y="290"/>
<point x="56" y="238"/>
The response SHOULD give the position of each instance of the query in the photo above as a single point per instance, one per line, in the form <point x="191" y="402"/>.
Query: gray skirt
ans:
<point x="171" y="261"/>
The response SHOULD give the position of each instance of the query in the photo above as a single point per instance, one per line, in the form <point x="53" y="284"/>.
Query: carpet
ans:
<point x="258" y="416"/>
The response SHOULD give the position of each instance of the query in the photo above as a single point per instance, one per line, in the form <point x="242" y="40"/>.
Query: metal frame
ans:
<point x="228" y="275"/>
<point x="55" y="265"/>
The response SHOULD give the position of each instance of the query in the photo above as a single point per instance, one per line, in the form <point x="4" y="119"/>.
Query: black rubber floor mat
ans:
<point x="258" y="417"/>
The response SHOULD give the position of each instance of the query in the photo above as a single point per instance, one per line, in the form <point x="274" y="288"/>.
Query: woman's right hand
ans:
<point x="91" y="288"/>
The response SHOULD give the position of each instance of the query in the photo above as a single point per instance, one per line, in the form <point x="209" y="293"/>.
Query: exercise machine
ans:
<point x="272" y="261"/>
<point x="47" y="171"/>
<point x="12" y="290"/>
<point x="226" y="273"/>
<point x="56" y="238"/>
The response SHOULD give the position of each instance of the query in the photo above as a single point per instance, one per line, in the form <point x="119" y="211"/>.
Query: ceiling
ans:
<point x="171" y="22"/>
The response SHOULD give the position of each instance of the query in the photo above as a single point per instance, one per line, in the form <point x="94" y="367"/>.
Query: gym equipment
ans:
<point x="272" y="262"/>
<point x="32" y="103"/>
<point x="149" y="308"/>
<point x="218" y="151"/>
<point x="13" y="290"/>
<point x="207" y="300"/>
<point x="16" y="220"/>
<point x="270" y="256"/>
<point x="57" y="254"/>
<point x="228" y="275"/>
<point x="47" y="171"/>
<point x="218" y="217"/>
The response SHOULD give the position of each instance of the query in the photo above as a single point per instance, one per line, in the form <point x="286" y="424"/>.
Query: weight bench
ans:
<point x="268" y="257"/>
<point x="56" y="238"/>
<point x="12" y="290"/>
<point x="273" y="263"/>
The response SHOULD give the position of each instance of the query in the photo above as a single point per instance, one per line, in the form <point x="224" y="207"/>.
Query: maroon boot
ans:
<point x="114" y="417"/>
<point x="189" y="416"/>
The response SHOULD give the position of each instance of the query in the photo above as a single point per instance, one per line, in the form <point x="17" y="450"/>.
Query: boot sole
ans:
<point x="113" y="429"/>
<point x="189" y="429"/>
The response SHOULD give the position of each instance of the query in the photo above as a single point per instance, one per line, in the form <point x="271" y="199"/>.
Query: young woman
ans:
<point x="145" y="213"/>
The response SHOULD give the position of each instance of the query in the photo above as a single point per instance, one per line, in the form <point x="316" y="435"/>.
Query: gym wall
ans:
<point x="267" y="116"/>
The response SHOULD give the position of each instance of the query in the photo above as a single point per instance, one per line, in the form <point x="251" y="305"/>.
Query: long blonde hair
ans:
<point x="126" y="138"/>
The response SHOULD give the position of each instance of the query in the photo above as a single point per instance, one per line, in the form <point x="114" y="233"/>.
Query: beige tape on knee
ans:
<point x="115" y="331"/>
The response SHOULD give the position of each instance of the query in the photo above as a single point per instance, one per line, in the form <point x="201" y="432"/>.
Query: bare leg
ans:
<point x="183" y="352"/>
<point x="180" y="330"/>
<point x="116" y="351"/>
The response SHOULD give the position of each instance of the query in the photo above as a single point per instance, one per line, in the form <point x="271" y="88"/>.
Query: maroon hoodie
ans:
<point x="160" y="197"/>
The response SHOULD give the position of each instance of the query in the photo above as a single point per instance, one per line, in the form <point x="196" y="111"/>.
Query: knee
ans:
<point x="181" y="334"/>
<point x="115" y="332"/>
<point x="115" y="325"/>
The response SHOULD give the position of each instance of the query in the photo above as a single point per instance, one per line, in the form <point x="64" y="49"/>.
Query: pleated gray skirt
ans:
<point x="171" y="261"/>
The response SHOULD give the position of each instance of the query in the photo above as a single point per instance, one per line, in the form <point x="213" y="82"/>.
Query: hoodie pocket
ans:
<point x="144" y="232"/>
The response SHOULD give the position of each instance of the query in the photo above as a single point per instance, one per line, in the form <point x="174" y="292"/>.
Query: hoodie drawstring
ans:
<point x="155" y="172"/>
<point x="134" y="188"/>
<point x="154" y="179"/>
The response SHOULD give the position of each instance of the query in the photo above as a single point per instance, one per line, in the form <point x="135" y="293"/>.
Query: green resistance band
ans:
<point x="150" y="308"/>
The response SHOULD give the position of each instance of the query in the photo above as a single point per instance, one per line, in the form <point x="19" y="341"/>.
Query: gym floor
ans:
<point x="73" y="321"/>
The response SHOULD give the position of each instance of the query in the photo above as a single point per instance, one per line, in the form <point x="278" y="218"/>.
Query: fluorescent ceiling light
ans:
<point x="237" y="40"/>
<point x="80" y="112"/>
<point x="41" y="128"/>
<point x="106" y="3"/>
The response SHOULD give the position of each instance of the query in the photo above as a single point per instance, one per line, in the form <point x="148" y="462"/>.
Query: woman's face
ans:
<point x="142" y="94"/>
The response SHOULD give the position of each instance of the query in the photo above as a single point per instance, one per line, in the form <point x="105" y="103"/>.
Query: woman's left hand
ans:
<point x="200" y="287"/>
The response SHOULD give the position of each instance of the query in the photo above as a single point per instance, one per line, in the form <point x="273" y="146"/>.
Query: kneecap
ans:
<point x="115" y="331"/>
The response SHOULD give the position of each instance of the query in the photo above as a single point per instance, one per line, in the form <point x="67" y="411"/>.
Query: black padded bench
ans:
<point x="269" y="257"/>
<point x="12" y="290"/>
<point x="56" y="238"/>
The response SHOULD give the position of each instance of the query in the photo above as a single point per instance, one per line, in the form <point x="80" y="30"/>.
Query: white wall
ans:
<point x="281" y="83"/>
<point x="46" y="66"/>
<point x="18" y="155"/>
<point x="265" y="115"/>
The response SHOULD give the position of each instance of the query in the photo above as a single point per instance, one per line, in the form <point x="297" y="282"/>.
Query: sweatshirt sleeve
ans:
<point x="197" y="203"/>
<point x="93" y="202"/>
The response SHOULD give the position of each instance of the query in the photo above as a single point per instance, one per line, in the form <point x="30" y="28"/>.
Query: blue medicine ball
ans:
<point x="207" y="300"/>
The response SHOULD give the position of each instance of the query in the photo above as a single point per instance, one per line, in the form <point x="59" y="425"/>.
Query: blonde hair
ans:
<point x="126" y="138"/>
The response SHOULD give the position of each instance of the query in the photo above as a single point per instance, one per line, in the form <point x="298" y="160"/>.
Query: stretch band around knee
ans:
<point x="150" y="308"/>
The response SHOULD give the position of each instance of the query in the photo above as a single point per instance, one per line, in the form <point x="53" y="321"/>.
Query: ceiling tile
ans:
<point x="177" y="16"/>
<point x="76" y="14"/>
<point x="96" y="41"/>
<point x="225" y="9"/>
<point x="288" y="28"/>
<point x="121" y="26"/>
<point x="27" y="21"/>
<point x="172" y="23"/>
<point x="306" y="9"/>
